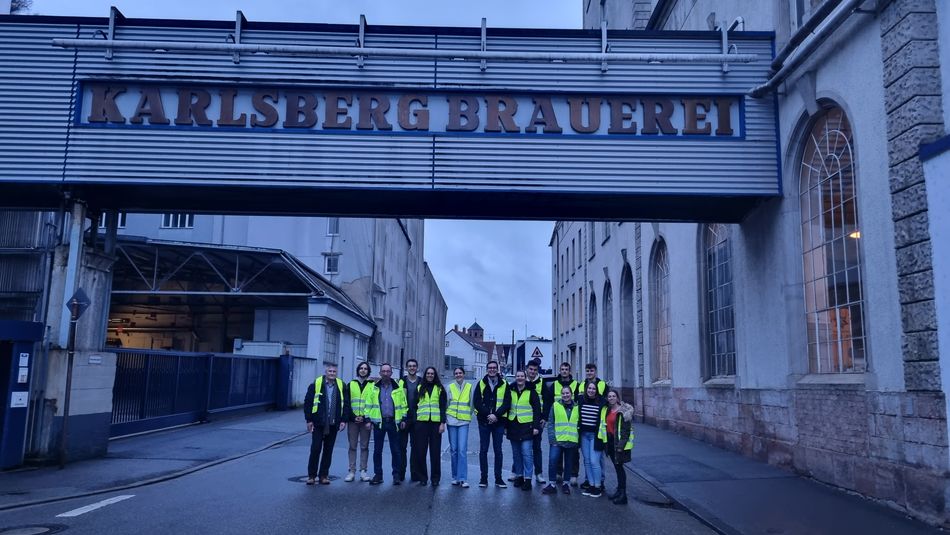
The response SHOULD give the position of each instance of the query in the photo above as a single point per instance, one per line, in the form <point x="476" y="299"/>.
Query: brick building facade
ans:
<point x="808" y="335"/>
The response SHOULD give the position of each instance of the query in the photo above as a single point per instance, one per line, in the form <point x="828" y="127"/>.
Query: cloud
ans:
<point x="498" y="272"/>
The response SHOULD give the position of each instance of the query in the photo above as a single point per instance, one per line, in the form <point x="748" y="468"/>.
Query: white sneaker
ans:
<point x="540" y="479"/>
<point x="349" y="477"/>
<point x="364" y="476"/>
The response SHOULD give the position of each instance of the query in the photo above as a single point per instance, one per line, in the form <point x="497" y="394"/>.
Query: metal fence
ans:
<point x="158" y="389"/>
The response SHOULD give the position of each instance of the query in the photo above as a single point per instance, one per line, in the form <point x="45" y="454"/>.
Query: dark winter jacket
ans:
<point x="552" y="393"/>
<point x="483" y="399"/>
<point x="523" y="431"/>
<point x="319" y="418"/>
<point x="618" y="453"/>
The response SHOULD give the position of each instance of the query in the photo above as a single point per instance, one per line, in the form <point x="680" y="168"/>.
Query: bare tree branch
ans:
<point x="20" y="6"/>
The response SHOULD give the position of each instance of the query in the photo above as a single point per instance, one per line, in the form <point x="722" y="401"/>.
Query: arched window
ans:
<point x="720" y="332"/>
<point x="592" y="328"/>
<point x="831" y="253"/>
<point x="660" y="313"/>
<point x="608" y="368"/>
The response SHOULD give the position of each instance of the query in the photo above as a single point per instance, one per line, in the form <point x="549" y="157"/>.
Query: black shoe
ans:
<point x="518" y="482"/>
<point x="435" y="483"/>
<point x="594" y="492"/>
<point x="483" y="483"/>
<point x="423" y="483"/>
<point x="549" y="489"/>
<point x="500" y="483"/>
<point x="615" y="495"/>
<point x="620" y="500"/>
<point x="377" y="480"/>
<point x="585" y="485"/>
<point x="526" y="485"/>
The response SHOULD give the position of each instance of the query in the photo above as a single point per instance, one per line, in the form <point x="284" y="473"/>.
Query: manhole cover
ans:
<point x="33" y="530"/>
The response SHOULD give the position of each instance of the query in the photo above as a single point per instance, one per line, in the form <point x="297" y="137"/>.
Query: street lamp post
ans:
<point x="77" y="304"/>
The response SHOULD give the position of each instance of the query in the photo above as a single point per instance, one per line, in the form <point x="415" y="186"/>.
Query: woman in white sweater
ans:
<point x="458" y="417"/>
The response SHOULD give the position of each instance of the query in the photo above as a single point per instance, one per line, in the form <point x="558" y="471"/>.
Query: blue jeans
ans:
<point x="387" y="429"/>
<point x="495" y="434"/>
<point x="592" y="457"/>
<point x="555" y="454"/>
<point x="458" y="446"/>
<point x="522" y="450"/>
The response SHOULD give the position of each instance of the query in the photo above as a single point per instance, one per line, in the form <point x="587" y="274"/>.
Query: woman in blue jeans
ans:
<point x="590" y="405"/>
<point x="458" y="418"/>
<point x="524" y="421"/>
<point x="562" y="435"/>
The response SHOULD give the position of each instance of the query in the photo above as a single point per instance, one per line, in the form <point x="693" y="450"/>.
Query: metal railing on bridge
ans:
<point x="159" y="389"/>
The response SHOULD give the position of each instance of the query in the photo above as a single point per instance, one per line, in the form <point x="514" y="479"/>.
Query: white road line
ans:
<point x="94" y="506"/>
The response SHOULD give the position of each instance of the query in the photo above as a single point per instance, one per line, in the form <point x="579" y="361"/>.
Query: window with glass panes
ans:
<point x="331" y="343"/>
<point x="592" y="327"/>
<point x="178" y="220"/>
<point x="831" y="252"/>
<point x="608" y="332"/>
<point x="719" y="303"/>
<point x="660" y="313"/>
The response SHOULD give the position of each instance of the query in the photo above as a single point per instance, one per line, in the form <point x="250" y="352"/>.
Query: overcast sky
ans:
<point x="497" y="272"/>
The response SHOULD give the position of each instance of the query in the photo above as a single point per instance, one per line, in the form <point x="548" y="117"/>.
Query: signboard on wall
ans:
<point x="183" y="128"/>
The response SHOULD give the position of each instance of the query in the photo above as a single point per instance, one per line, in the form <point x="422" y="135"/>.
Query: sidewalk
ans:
<point x="735" y="494"/>
<point x="152" y="456"/>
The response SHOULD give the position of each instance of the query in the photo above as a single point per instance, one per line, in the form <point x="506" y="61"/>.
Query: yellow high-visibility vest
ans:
<point x="460" y="405"/>
<point x="428" y="409"/>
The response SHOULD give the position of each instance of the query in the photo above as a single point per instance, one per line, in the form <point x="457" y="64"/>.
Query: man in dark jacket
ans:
<point x="491" y="401"/>
<point x="326" y="409"/>
<point x="524" y="423"/>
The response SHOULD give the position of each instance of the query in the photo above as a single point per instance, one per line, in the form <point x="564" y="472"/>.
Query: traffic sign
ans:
<point x="78" y="303"/>
<point x="537" y="353"/>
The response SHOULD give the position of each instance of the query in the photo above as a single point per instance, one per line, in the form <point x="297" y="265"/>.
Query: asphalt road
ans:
<point x="264" y="493"/>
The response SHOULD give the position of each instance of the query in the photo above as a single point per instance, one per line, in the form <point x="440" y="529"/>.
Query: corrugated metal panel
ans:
<point x="35" y="98"/>
<point x="35" y="101"/>
<point x="25" y="238"/>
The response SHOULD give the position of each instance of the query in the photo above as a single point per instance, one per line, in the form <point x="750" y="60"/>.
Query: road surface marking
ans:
<point x="94" y="506"/>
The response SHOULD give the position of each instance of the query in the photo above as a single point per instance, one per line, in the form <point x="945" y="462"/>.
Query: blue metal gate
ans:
<point x="158" y="389"/>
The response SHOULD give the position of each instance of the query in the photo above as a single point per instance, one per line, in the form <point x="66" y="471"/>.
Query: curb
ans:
<point x="698" y="512"/>
<point x="158" y="479"/>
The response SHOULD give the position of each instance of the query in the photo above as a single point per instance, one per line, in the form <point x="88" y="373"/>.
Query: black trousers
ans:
<point x="321" y="451"/>
<point x="427" y="439"/>
<point x="405" y="438"/>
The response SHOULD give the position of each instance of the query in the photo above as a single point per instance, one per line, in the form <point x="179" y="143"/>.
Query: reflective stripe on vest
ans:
<point x="499" y="393"/>
<point x="428" y="409"/>
<point x="373" y="409"/>
<point x="521" y="407"/>
<point x="602" y="431"/>
<point x="317" y="393"/>
<point x="357" y="403"/>
<point x="459" y="406"/>
<point x="565" y="427"/>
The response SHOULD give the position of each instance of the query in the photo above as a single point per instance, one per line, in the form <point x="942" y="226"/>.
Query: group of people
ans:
<point x="580" y="417"/>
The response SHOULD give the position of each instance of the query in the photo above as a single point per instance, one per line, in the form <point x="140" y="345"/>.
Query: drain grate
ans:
<point x="303" y="479"/>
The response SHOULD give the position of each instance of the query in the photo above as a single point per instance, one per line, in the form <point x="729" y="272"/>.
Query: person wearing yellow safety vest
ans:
<point x="458" y="417"/>
<point x="563" y="438"/>
<point x="386" y="407"/>
<point x="590" y="371"/>
<point x="553" y="392"/>
<point x="492" y="401"/>
<point x="325" y="407"/>
<point x="535" y="381"/>
<point x="428" y="417"/>
<point x="590" y="406"/>
<point x="524" y="420"/>
<point x="360" y="426"/>
<point x="616" y="434"/>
